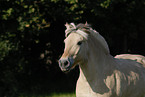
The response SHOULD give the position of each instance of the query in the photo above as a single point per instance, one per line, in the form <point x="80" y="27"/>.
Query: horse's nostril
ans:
<point x="65" y="63"/>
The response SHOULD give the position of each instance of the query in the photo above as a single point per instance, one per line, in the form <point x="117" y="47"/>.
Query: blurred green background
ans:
<point x="32" y="34"/>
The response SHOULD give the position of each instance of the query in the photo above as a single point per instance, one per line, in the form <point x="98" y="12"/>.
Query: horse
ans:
<point x="101" y="74"/>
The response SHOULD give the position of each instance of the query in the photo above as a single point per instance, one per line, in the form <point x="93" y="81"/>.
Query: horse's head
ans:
<point x="75" y="47"/>
<point x="78" y="43"/>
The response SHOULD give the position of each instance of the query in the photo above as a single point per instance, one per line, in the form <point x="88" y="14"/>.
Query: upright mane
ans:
<point x="85" y="30"/>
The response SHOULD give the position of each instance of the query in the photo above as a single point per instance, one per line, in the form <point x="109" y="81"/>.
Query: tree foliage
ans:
<point x="32" y="33"/>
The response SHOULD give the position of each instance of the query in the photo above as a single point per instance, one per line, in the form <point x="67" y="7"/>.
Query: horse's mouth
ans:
<point x="66" y="69"/>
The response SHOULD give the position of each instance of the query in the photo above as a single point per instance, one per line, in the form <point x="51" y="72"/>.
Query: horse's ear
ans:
<point x="86" y="23"/>
<point x="66" y="25"/>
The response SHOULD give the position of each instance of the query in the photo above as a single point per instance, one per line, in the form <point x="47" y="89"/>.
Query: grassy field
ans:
<point x="52" y="95"/>
<point x="62" y="95"/>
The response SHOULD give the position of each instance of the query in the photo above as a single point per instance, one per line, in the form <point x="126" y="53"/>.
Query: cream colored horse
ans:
<point x="101" y="75"/>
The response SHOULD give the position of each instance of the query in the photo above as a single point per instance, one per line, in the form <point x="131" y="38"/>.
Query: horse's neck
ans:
<point x="96" y="69"/>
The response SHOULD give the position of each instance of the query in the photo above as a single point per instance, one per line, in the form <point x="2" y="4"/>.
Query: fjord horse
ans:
<point x="101" y="75"/>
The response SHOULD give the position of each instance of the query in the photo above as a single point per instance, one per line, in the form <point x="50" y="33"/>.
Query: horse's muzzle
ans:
<point x="65" y="64"/>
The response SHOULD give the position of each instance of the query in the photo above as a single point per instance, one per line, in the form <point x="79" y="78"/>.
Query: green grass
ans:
<point x="62" y="95"/>
<point x="52" y="95"/>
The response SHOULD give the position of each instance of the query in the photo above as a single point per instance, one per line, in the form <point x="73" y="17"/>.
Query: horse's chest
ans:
<point x="83" y="89"/>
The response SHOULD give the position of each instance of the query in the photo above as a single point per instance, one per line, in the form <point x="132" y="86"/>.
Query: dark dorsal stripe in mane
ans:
<point x="83" y="26"/>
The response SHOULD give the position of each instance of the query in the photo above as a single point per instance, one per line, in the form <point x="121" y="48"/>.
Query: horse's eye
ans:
<point x="79" y="43"/>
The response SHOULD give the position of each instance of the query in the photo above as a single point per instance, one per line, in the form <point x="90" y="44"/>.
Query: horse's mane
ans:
<point x="85" y="30"/>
